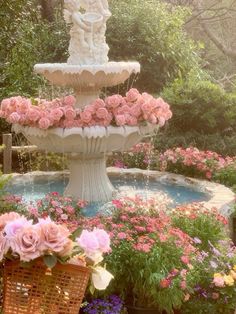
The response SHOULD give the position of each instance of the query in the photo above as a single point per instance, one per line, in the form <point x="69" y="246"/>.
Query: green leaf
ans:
<point x="50" y="260"/>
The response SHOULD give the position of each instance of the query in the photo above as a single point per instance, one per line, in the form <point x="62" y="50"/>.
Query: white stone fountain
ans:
<point x="87" y="71"/>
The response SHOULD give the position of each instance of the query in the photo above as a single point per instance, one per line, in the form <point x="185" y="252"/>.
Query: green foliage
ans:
<point x="35" y="41"/>
<point x="200" y="106"/>
<point x="226" y="176"/>
<point x="152" y="33"/>
<point x="200" y="223"/>
<point x="224" y="144"/>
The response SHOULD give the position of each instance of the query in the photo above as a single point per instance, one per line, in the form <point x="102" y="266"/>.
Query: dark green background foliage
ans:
<point x="152" y="33"/>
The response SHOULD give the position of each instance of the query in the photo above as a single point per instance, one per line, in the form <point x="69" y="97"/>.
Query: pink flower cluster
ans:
<point x="61" y="209"/>
<point x="134" y="223"/>
<point x="205" y="162"/>
<point x="22" y="238"/>
<point x="94" y="243"/>
<point x="133" y="109"/>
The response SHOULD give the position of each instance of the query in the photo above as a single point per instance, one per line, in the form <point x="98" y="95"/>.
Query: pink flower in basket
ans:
<point x="27" y="243"/>
<point x="54" y="237"/>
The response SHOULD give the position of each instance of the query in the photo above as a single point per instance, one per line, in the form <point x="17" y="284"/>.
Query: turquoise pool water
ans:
<point x="145" y="188"/>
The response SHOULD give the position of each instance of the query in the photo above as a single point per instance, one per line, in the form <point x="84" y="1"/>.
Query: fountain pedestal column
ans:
<point x="88" y="178"/>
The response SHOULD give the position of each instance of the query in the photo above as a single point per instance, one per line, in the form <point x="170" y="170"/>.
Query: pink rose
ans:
<point x="120" y="120"/>
<point x="86" y="116"/>
<point x="33" y="115"/>
<point x="102" y="113"/>
<point x="98" y="103"/>
<point x="44" y="123"/>
<point x="152" y="119"/>
<point x="132" y="95"/>
<point x="88" y="241"/>
<point x="135" y="111"/>
<point x="15" y="226"/>
<point x="4" y="246"/>
<point x="14" y="117"/>
<point x="131" y="120"/>
<point x="69" y="100"/>
<point x="114" y="101"/>
<point x="55" y="237"/>
<point x="56" y="114"/>
<point x="69" y="124"/>
<point x="5" y="218"/>
<point x="27" y="243"/>
<point x="69" y="112"/>
<point x="103" y="240"/>
<point x="23" y="105"/>
<point x="5" y="104"/>
<point x="161" y="121"/>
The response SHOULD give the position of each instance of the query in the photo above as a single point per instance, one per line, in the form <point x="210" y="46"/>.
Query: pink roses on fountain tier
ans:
<point x="132" y="110"/>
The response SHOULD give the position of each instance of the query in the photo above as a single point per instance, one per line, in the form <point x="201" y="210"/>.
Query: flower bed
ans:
<point x="192" y="162"/>
<point x="133" y="109"/>
<point x="160" y="263"/>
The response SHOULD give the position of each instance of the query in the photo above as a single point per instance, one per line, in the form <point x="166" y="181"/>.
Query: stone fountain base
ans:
<point x="88" y="178"/>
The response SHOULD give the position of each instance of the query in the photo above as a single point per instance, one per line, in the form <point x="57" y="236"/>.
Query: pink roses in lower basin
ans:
<point x="24" y="240"/>
<point x="133" y="109"/>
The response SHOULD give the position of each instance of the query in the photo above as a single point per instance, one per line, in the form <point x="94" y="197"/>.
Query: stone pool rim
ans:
<point x="221" y="197"/>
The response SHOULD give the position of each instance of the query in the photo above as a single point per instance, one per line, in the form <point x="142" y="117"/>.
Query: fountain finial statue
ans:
<point x="87" y="35"/>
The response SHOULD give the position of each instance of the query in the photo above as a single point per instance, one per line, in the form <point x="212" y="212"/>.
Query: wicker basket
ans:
<point x="39" y="290"/>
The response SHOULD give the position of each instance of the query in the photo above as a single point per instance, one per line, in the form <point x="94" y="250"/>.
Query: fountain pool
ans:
<point x="129" y="182"/>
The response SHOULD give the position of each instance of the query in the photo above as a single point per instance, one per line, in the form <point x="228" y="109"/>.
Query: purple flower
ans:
<point x="213" y="264"/>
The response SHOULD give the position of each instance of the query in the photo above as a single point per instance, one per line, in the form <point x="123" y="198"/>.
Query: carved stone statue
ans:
<point x="87" y="42"/>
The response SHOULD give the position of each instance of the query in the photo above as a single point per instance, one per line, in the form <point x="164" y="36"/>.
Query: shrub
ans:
<point x="200" y="106"/>
<point x="152" y="33"/>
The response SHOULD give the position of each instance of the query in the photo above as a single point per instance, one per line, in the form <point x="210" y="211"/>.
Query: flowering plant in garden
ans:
<point x="201" y="223"/>
<point x="61" y="209"/>
<point x="150" y="258"/>
<point x="133" y="109"/>
<point x="23" y="240"/>
<point x="214" y="274"/>
<point x="9" y="203"/>
<point x="192" y="162"/>
<point x="110" y="305"/>
<point x="140" y="156"/>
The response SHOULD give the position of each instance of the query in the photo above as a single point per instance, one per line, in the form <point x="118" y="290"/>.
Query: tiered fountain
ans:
<point x="87" y="71"/>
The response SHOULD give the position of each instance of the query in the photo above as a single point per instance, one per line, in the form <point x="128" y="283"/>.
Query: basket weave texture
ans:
<point x="39" y="290"/>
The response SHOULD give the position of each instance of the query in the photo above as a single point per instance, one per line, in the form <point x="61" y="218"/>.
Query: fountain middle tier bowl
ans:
<point x="88" y="140"/>
<point x="87" y="77"/>
<point x="86" y="148"/>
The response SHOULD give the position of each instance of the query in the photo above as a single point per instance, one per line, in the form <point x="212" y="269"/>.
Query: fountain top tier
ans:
<point x="87" y="69"/>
